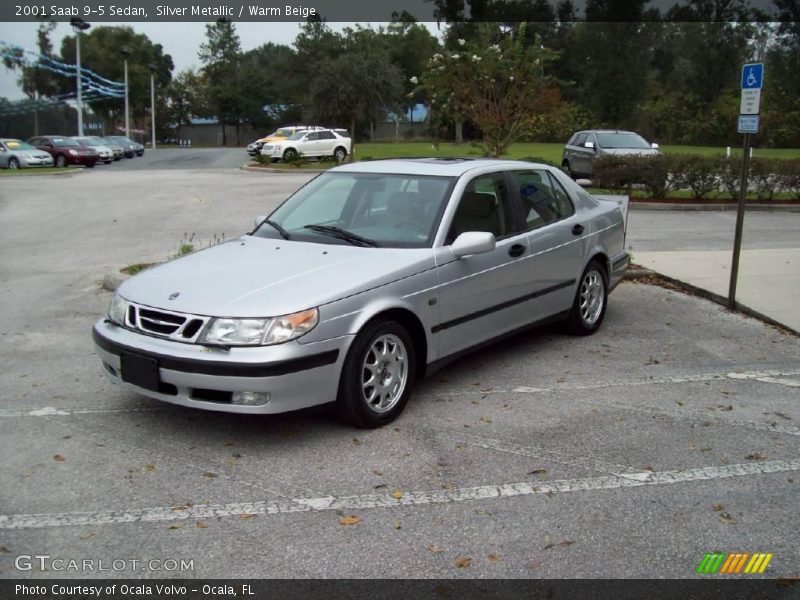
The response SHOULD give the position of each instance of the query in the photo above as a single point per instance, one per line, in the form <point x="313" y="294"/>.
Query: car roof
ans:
<point x="449" y="167"/>
<point x="10" y="140"/>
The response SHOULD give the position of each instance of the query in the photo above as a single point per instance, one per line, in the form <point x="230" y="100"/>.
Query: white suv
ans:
<point x="319" y="143"/>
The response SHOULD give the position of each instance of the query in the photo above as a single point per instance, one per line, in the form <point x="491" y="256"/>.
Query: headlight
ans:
<point x="260" y="332"/>
<point x="73" y="153"/>
<point x="118" y="309"/>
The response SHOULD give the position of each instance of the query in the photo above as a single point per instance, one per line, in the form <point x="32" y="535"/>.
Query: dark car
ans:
<point x="129" y="146"/>
<point x="65" y="151"/>
<point x="584" y="147"/>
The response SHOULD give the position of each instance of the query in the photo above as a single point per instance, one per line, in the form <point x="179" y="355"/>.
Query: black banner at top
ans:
<point x="383" y="10"/>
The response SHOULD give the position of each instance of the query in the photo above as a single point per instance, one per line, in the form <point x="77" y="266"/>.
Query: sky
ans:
<point x="180" y="40"/>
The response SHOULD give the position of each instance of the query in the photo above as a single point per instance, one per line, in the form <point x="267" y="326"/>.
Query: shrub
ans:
<point x="764" y="177"/>
<point x="788" y="174"/>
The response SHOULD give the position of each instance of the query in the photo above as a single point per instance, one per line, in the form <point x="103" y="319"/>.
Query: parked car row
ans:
<point x="291" y="142"/>
<point x="61" y="151"/>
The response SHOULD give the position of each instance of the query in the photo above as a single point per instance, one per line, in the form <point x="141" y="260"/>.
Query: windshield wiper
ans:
<point x="284" y="234"/>
<point x="342" y="234"/>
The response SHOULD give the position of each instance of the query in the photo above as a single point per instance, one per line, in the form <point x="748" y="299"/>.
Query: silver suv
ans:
<point x="584" y="147"/>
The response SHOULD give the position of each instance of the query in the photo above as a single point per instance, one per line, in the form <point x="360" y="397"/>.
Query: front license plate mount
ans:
<point x="140" y="370"/>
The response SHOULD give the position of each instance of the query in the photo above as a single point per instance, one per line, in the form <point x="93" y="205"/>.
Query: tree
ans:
<point x="221" y="56"/>
<point x="36" y="82"/>
<point x="355" y="86"/>
<point x="100" y="52"/>
<point x="185" y="97"/>
<point x="496" y="82"/>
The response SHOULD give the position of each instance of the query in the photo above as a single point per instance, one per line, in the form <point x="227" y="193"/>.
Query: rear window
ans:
<point x="621" y="140"/>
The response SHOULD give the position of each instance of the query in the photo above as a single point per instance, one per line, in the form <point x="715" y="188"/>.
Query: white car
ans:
<point x="106" y="153"/>
<point x="323" y="142"/>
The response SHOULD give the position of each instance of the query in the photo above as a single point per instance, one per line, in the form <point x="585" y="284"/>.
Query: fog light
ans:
<point x="250" y="398"/>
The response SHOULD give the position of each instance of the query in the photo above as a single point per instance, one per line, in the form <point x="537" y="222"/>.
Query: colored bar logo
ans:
<point x="734" y="563"/>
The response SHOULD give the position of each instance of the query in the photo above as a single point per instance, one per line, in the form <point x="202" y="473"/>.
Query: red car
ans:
<point x="65" y="151"/>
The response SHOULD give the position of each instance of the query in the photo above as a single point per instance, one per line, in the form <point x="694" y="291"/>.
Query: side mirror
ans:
<point x="589" y="145"/>
<point x="260" y="219"/>
<point x="654" y="146"/>
<point x="473" y="242"/>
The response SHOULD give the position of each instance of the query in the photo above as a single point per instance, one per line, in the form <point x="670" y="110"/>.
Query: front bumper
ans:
<point x="294" y="375"/>
<point x="29" y="161"/>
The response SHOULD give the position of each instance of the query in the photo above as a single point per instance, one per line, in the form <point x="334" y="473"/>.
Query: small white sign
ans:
<point x="751" y="101"/>
<point x="748" y="124"/>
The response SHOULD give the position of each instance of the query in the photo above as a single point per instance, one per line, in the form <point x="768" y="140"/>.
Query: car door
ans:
<point x="327" y="142"/>
<point x="483" y="295"/>
<point x="555" y="237"/>
<point x="588" y="155"/>
<point x="309" y="145"/>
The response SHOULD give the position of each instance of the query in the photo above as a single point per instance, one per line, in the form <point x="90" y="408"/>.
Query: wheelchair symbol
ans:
<point x="751" y="79"/>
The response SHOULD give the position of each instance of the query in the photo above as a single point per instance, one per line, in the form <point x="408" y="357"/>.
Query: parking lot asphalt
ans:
<point x="672" y="432"/>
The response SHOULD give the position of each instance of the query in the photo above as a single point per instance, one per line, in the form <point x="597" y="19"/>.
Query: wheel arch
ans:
<point x="412" y="324"/>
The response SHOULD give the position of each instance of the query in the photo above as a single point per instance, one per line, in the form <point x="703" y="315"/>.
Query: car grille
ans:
<point x="167" y="324"/>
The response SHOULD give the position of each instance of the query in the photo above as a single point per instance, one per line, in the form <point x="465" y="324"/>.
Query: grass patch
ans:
<point x="550" y="153"/>
<point x="136" y="268"/>
<point x="32" y="171"/>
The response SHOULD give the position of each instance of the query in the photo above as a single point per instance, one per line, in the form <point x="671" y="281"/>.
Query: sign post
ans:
<point x="752" y="80"/>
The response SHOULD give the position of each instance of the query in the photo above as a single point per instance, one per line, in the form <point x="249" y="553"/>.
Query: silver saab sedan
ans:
<point x="369" y="277"/>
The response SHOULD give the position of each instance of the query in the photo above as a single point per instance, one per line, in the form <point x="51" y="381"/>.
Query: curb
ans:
<point x="111" y="281"/>
<point x="675" y="206"/>
<point x="641" y="273"/>
<point x="253" y="169"/>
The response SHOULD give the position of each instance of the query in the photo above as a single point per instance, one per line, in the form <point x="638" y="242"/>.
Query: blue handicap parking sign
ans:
<point x="752" y="76"/>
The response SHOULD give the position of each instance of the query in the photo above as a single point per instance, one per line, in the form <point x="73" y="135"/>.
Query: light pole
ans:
<point x="79" y="25"/>
<point x="153" y="68"/>
<point x="126" y="52"/>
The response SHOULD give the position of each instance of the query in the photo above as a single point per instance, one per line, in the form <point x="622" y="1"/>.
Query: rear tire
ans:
<point x="377" y="375"/>
<point x="340" y="154"/>
<point x="591" y="299"/>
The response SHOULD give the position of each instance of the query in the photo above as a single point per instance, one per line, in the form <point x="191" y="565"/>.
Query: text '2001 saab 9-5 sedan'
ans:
<point x="367" y="278"/>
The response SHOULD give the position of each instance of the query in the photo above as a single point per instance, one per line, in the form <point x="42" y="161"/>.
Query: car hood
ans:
<point x="261" y="277"/>
<point x="31" y="153"/>
<point x="628" y="151"/>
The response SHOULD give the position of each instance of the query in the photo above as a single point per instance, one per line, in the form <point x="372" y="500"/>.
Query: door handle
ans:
<point x="516" y="250"/>
<point x="577" y="229"/>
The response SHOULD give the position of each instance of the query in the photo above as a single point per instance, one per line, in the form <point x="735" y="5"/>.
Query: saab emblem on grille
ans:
<point x="174" y="295"/>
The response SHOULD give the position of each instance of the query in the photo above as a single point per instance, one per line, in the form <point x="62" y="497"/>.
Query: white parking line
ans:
<point x="592" y="464"/>
<point x="375" y="501"/>
<point x="52" y="411"/>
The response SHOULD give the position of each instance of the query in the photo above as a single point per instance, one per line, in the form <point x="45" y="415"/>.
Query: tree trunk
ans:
<point x="372" y="131"/>
<point x="459" y="132"/>
<point x="238" y="136"/>
<point x="35" y="121"/>
<point x="224" y="138"/>
<point x="352" y="138"/>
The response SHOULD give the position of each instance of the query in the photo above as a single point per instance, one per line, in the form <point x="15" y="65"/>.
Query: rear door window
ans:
<point x="544" y="200"/>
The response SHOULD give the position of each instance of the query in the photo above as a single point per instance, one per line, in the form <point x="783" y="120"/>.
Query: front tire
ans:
<point x="591" y="299"/>
<point x="13" y="163"/>
<point x="61" y="161"/>
<point x="377" y="375"/>
<point x="340" y="154"/>
<point x="290" y="155"/>
<point x="567" y="169"/>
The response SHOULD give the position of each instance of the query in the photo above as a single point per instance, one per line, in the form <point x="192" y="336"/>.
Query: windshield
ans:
<point x="282" y="133"/>
<point x="17" y="145"/>
<point x="297" y="136"/>
<point x="88" y="141"/>
<point x="58" y="141"/>
<point x="621" y="140"/>
<point x="121" y="140"/>
<point x="393" y="211"/>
